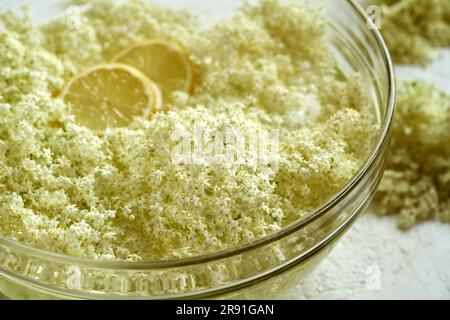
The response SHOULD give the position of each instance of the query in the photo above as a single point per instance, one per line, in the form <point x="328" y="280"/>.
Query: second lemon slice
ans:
<point x="164" y="62"/>
<point x="110" y="96"/>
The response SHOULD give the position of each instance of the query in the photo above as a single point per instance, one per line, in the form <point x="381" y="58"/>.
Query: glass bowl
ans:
<point x="262" y="269"/>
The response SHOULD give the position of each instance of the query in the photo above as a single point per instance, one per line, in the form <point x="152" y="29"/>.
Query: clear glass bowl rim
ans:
<point x="382" y="140"/>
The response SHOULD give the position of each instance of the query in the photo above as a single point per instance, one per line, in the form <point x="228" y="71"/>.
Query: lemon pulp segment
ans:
<point x="164" y="62"/>
<point x="110" y="96"/>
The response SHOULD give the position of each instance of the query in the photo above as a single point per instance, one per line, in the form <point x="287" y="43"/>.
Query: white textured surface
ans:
<point x="375" y="260"/>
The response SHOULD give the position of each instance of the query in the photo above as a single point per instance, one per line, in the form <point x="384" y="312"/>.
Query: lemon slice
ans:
<point x="164" y="62"/>
<point x="110" y="96"/>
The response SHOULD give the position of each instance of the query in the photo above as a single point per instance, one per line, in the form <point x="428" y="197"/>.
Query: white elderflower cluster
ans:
<point x="416" y="184"/>
<point x="120" y="196"/>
